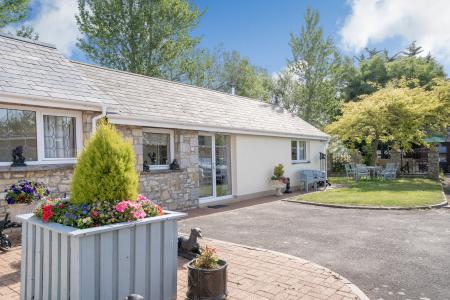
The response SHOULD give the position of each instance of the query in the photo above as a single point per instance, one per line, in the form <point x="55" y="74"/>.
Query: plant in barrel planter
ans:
<point x="105" y="241"/>
<point x="207" y="277"/>
<point x="277" y="179"/>
<point x="23" y="197"/>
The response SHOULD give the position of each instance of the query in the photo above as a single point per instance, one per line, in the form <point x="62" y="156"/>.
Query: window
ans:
<point x="157" y="149"/>
<point x="298" y="151"/>
<point x="60" y="137"/>
<point x="46" y="135"/>
<point x="17" y="128"/>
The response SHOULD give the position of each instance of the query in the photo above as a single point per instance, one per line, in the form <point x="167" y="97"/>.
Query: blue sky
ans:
<point x="260" y="29"/>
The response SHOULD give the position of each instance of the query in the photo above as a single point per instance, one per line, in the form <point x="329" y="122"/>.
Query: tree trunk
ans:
<point x="374" y="152"/>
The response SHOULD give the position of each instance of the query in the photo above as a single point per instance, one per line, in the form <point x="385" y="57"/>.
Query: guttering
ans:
<point x="98" y="117"/>
<point x="25" y="99"/>
<point x="126" y="120"/>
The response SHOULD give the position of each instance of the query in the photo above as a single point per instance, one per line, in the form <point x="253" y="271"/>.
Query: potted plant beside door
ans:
<point x="207" y="277"/>
<point x="277" y="179"/>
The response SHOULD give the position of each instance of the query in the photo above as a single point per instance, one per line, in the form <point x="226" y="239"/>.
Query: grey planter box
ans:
<point x="108" y="262"/>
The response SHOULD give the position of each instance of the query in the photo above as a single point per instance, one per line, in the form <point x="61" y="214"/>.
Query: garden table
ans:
<point x="373" y="170"/>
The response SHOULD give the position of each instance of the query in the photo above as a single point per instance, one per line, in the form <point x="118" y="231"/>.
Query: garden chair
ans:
<point x="313" y="177"/>
<point x="390" y="172"/>
<point x="362" y="172"/>
<point x="349" y="171"/>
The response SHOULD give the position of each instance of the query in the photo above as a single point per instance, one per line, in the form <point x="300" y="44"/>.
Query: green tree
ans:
<point x="105" y="169"/>
<point x="140" y="36"/>
<point x="27" y="32"/>
<point x="314" y="60"/>
<point x="13" y="11"/>
<point x="395" y="115"/>
<point x="221" y="70"/>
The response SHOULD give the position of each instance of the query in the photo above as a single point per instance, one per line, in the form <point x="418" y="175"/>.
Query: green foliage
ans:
<point x="27" y="32"/>
<point x="278" y="172"/>
<point x="105" y="169"/>
<point x="315" y="67"/>
<point x="207" y="260"/>
<point x="395" y="114"/>
<point x="12" y="11"/>
<point x="378" y="69"/>
<point x="221" y="70"/>
<point x="148" y="37"/>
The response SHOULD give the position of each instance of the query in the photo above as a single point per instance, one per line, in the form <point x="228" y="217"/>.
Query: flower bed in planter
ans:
<point x="106" y="262"/>
<point x="97" y="244"/>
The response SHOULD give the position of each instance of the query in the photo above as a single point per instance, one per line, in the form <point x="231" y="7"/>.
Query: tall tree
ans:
<point x="13" y="11"/>
<point x="140" y="36"/>
<point x="314" y="59"/>
<point x="223" y="70"/>
<point x="412" y="50"/>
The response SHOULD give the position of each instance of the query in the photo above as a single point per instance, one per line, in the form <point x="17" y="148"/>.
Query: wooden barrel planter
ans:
<point x="107" y="262"/>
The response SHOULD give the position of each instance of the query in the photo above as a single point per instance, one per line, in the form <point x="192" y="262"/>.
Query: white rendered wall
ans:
<point x="256" y="156"/>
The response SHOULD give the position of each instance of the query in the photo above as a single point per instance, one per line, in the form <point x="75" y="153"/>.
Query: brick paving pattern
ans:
<point x="252" y="274"/>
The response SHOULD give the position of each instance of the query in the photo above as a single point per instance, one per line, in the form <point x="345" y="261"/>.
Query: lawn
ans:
<point x="404" y="192"/>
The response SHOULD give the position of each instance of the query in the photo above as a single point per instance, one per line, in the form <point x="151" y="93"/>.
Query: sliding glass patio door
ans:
<point x="214" y="166"/>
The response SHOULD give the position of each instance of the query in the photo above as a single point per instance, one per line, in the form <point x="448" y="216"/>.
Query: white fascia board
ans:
<point x="125" y="120"/>
<point x="42" y="101"/>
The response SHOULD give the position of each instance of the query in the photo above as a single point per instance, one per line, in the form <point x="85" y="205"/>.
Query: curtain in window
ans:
<point x="17" y="128"/>
<point x="59" y="137"/>
<point x="302" y="150"/>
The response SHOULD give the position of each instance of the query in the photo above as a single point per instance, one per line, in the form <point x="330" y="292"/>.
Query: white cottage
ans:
<point x="226" y="145"/>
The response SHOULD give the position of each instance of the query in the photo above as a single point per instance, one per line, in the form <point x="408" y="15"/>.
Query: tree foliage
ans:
<point x="105" y="169"/>
<point x="314" y="66"/>
<point x="141" y="36"/>
<point x="221" y="70"/>
<point x="12" y="11"/>
<point x="378" y="69"/>
<point x="396" y="114"/>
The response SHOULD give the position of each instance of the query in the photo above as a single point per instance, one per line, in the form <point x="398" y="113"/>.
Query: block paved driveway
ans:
<point x="388" y="254"/>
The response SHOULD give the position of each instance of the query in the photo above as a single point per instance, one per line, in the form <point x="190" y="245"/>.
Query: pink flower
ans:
<point x="141" y="198"/>
<point x="139" y="214"/>
<point x="122" y="206"/>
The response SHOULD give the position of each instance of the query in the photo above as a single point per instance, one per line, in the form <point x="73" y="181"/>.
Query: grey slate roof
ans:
<point x="144" y="97"/>
<point x="38" y="69"/>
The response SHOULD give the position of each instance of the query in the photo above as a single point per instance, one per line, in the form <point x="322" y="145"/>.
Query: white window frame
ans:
<point x="171" y="146"/>
<point x="306" y="160"/>
<point x="40" y="112"/>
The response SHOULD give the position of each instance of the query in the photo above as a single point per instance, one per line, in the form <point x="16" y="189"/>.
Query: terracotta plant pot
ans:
<point x="207" y="284"/>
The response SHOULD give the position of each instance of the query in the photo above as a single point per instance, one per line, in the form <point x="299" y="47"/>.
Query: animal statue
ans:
<point x="174" y="165"/>
<point x="17" y="155"/>
<point x="189" y="247"/>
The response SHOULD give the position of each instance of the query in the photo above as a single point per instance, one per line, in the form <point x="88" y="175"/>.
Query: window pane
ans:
<point x="59" y="137"/>
<point x="294" y="150"/>
<point x="17" y="128"/>
<point x="302" y="150"/>
<point x="156" y="148"/>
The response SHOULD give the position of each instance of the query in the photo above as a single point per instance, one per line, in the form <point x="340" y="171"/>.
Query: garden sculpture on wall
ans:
<point x="18" y="158"/>
<point x="189" y="248"/>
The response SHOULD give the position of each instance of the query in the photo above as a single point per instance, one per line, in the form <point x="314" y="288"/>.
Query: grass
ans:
<point x="403" y="192"/>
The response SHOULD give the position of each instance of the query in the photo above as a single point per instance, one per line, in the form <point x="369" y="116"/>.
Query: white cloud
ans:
<point x="372" y="21"/>
<point x="55" y="22"/>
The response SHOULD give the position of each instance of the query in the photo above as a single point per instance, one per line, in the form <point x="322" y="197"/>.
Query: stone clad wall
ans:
<point x="174" y="190"/>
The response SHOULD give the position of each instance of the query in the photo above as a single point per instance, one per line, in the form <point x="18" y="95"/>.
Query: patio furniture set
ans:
<point x="359" y="171"/>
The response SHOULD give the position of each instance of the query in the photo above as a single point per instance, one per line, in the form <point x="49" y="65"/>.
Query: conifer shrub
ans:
<point x="278" y="172"/>
<point x="105" y="170"/>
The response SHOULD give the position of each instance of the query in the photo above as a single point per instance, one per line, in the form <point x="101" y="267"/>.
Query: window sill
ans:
<point x="37" y="167"/>
<point x="161" y="171"/>
<point x="296" y="162"/>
